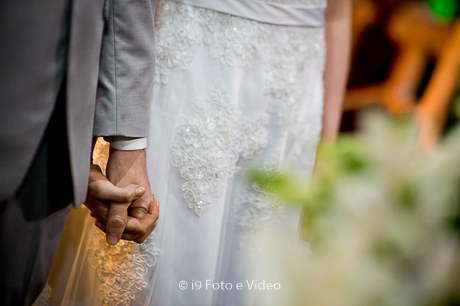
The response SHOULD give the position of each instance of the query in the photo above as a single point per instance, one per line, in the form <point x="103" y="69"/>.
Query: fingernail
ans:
<point x="112" y="239"/>
<point x="157" y="203"/>
<point x="140" y="190"/>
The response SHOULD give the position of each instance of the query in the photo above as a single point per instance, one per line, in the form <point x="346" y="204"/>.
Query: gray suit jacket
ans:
<point x="33" y="35"/>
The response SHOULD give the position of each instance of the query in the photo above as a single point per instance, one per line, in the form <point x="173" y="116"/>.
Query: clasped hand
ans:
<point x="122" y="203"/>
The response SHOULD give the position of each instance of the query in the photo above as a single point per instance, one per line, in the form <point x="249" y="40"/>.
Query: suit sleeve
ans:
<point x="126" y="71"/>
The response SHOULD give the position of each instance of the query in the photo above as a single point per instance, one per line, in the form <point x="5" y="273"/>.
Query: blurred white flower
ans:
<point x="382" y="219"/>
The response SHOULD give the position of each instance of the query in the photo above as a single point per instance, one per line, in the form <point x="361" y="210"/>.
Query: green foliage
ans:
<point x="444" y="9"/>
<point x="284" y="185"/>
<point x="348" y="156"/>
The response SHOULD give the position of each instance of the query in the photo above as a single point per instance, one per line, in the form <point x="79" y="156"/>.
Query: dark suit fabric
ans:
<point x="47" y="45"/>
<point x="32" y="220"/>
<point x="41" y="42"/>
<point x="35" y="167"/>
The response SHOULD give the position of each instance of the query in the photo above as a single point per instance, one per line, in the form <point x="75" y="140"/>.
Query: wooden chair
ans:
<point x="433" y="107"/>
<point x="418" y="37"/>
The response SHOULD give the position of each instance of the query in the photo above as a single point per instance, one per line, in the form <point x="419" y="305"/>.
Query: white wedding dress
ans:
<point x="238" y="86"/>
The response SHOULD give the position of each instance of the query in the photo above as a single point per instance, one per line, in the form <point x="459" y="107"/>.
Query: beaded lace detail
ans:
<point x="121" y="268"/>
<point x="208" y="145"/>
<point x="257" y="208"/>
<point x="231" y="40"/>
<point x="182" y="28"/>
<point x="178" y="34"/>
<point x="290" y="63"/>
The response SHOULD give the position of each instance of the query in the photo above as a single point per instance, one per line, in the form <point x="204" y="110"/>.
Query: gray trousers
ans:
<point x="27" y="251"/>
<point x="33" y="219"/>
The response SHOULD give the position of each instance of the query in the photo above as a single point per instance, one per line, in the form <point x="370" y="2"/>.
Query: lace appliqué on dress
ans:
<point x="235" y="41"/>
<point x="121" y="268"/>
<point x="292" y="67"/>
<point x="208" y="145"/>
<point x="289" y="62"/>
<point x="182" y="28"/>
<point x="178" y="33"/>
<point x="258" y="208"/>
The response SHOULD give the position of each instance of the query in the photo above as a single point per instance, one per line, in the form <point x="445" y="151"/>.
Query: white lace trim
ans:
<point x="122" y="268"/>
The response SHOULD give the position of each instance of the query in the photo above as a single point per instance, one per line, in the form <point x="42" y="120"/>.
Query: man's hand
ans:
<point x="125" y="168"/>
<point x="101" y="192"/>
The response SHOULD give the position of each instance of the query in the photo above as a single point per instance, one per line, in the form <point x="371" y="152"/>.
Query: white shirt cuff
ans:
<point x="128" y="143"/>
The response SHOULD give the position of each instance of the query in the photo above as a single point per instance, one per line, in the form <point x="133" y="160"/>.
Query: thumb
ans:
<point x="130" y="193"/>
<point x="116" y="221"/>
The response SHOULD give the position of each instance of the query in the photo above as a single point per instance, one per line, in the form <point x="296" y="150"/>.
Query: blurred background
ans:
<point x="406" y="59"/>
